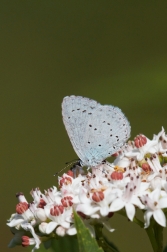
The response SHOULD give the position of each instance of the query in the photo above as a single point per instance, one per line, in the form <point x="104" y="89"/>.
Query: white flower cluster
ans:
<point x="136" y="179"/>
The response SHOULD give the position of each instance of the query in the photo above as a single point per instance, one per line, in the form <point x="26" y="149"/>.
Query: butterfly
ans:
<point x="96" y="131"/>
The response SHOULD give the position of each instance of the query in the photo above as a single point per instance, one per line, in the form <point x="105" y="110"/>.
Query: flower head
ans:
<point x="137" y="179"/>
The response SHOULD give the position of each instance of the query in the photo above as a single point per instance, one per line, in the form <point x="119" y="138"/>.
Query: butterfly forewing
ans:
<point x="95" y="131"/>
<point x="75" y="111"/>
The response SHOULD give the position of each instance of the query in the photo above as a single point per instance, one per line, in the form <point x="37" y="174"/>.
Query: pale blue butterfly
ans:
<point x="96" y="131"/>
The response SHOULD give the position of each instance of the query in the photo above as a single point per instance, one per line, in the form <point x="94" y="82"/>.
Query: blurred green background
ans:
<point x="112" y="51"/>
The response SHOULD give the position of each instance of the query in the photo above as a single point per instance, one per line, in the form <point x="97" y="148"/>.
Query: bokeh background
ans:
<point x="112" y="51"/>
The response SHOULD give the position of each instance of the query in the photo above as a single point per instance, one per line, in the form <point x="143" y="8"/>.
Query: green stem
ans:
<point x="158" y="230"/>
<point x="155" y="234"/>
<point x="102" y="242"/>
<point x="151" y="236"/>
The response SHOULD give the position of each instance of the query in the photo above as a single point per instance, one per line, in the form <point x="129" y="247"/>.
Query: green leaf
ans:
<point x="66" y="243"/>
<point x="86" y="242"/>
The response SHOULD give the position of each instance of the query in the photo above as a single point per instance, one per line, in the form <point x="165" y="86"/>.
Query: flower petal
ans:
<point x="163" y="202"/>
<point x="147" y="216"/>
<point x="159" y="216"/>
<point x="71" y="231"/>
<point x="104" y="210"/>
<point x="116" y="205"/>
<point x="87" y="209"/>
<point x="130" y="211"/>
<point x="51" y="226"/>
<point x="15" y="222"/>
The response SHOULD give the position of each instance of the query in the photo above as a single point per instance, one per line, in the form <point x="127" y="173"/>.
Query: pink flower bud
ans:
<point x="25" y="241"/>
<point x="21" y="207"/>
<point x="98" y="196"/>
<point x="65" y="181"/>
<point x="70" y="173"/>
<point x="146" y="167"/>
<point x="116" y="175"/>
<point x="67" y="201"/>
<point x="140" y="141"/>
<point x="57" y="210"/>
<point x="42" y="203"/>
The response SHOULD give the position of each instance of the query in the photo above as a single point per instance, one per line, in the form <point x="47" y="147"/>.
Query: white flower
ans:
<point x="86" y="206"/>
<point x="15" y="221"/>
<point x="128" y="199"/>
<point x="27" y="226"/>
<point x="154" y="204"/>
<point x="71" y="186"/>
<point x="136" y="179"/>
<point x="142" y="146"/>
<point x="58" y="216"/>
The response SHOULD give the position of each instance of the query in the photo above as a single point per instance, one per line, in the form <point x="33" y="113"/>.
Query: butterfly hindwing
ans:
<point x="96" y="131"/>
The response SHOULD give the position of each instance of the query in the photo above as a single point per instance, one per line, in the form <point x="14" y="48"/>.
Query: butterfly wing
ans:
<point x="95" y="131"/>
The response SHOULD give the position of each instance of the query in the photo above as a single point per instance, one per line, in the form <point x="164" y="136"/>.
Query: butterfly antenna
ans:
<point x="69" y="163"/>
<point x="72" y="161"/>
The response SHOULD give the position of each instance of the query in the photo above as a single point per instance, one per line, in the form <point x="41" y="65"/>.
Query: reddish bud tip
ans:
<point x="98" y="196"/>
<point x="70" y="173"/>
<point x="116" y="175"/>
<point x="25" y="241"/>
<point x="146" y="167"/>
<point x="65" y="181"/>
<point x="57" y="210"/>
<point x="42" y="203"/>
<point x="21" y="207"/>
<point x="67" y="201"/>
<point x="140" y="141"/>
